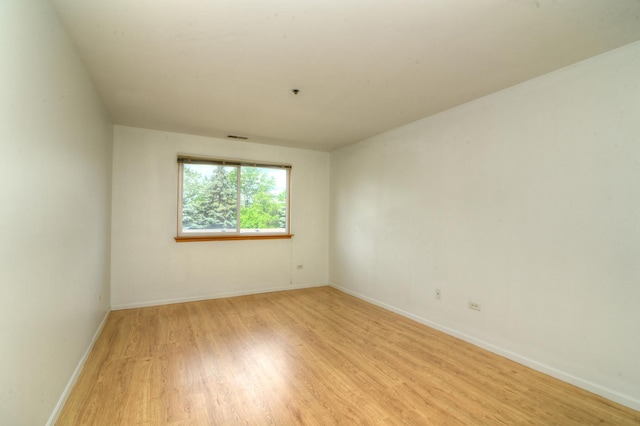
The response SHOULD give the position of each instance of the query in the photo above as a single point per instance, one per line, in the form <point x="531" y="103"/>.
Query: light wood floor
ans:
<point x="314" y="356"/>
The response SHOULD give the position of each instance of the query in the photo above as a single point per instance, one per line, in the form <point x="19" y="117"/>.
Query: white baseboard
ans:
<point x="211" y="296"/>
<point x="76" y="373"/>
<point x="610" y="394"/>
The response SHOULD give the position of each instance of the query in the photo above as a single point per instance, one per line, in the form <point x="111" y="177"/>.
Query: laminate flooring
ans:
<point x="314" y="357"/>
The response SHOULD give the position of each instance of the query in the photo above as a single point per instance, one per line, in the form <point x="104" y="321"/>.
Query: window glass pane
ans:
<point x="209" y="198"/>
<point x="263" y="205"/>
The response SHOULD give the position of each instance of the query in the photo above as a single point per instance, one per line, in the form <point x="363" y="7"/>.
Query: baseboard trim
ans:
<point x="211" y="296"/>
<point x="76" y="373"/>
<point x="605" y="392"/>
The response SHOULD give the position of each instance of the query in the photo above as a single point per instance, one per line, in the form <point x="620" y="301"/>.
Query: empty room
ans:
<point x="320" y="212"/>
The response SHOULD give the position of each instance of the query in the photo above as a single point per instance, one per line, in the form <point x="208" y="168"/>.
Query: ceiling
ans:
<point x="228" y="67"/>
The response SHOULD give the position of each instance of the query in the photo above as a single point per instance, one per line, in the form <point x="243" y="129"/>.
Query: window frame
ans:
<point x="237" y="234"/>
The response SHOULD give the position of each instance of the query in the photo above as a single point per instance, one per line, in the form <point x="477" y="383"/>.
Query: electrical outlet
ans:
<point x="474" y="305"/>
<point x="438" y="294"/>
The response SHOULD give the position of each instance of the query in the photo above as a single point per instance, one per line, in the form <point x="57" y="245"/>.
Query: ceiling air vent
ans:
<point x="243" y="138"/>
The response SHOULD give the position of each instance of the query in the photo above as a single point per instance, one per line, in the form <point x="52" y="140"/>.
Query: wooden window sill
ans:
<point x="193" y="239"/>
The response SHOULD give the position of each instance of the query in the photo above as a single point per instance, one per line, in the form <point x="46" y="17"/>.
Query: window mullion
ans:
<point x="238" y="198"/>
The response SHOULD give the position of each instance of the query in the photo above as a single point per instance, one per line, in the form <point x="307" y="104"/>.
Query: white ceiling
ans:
<point x="220" y="67"/>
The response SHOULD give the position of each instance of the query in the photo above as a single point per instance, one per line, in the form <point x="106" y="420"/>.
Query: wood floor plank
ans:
<point x="313" y="356"/>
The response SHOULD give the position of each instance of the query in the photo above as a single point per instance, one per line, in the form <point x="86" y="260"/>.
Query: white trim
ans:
<point x="212" y="296"/>
<point x="605" y="392"/>
<point x="76" y="373"/>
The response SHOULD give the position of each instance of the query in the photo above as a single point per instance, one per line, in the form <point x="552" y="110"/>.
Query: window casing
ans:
<point x="232" y="199"/>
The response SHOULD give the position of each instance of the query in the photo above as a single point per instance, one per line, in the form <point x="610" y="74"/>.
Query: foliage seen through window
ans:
<point x="218" y="198"/>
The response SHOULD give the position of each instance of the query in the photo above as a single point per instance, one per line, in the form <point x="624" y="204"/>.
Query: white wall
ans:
<point x="527" y="201"/>
<point x="149" y="267"/>
<point x="54" y="222"/>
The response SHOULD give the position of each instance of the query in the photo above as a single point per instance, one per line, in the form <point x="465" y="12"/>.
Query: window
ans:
<point x="232" y="199"/>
